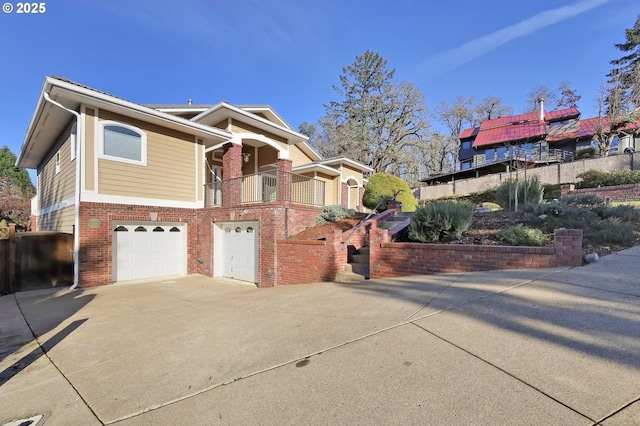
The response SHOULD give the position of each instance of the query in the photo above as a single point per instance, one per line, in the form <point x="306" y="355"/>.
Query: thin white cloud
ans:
<point x="482" y="45"/>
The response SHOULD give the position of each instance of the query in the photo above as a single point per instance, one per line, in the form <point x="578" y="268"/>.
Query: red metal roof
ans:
<point x="470" y="132"/>
<point x="503" y="121"/>
<point x="513" y="132"/>
<point x="561" y="114"/>
<point x="517" y="128"/>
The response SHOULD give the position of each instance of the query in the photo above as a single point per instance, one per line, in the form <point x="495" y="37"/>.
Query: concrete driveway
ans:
<point x="556" y="346"/>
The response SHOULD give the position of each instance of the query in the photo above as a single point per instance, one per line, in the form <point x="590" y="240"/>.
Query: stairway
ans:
<point x="358" y="267"/>
<point x="359" y="264"/>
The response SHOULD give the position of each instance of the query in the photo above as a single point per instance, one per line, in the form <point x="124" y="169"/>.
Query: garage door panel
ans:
<point x="151" y="251"/>
<point x="239" y="251"/>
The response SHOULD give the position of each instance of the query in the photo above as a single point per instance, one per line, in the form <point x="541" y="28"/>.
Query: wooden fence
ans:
<point x="34" y="260"/>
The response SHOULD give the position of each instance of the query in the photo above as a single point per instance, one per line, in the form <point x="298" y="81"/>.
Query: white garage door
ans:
<point x="148" y="251"/>
<point x="239" y="251"/>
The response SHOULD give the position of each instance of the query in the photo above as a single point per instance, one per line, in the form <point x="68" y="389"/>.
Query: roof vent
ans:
<point x="190" y="101"/>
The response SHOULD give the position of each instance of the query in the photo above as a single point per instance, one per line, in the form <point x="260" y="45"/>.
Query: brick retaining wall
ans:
<point x="611" y="193"/>
<point x="401" y="259"/>
<point x="307" y="261"/>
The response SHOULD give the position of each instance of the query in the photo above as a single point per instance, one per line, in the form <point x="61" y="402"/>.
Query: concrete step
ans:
<point x="360" y="258"/>
<point x="388" y="224"/>
<point x="348" y="275"/>
<point x="364" y="250"/>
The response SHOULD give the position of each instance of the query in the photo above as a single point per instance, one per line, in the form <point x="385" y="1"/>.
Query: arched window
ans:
<point x="121" y="142"/>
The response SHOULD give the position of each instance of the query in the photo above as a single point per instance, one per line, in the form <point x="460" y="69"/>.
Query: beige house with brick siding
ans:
<point x="152" y="191"/>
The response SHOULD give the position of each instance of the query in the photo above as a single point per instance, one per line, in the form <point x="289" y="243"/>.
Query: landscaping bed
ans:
<point x="483" y="231"/>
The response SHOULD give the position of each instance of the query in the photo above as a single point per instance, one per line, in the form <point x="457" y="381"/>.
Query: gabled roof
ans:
<point x="224" y="110"/>
<point x="344" y="160"/>
<point x="49" y="121"/>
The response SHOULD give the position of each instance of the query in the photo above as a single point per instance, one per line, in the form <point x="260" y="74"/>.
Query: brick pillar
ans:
<point x="568" y="245"/>
<point x="284" y="179"/>
<point x="394" y="205"/>
<point x="376" y="262"/>
<point x="566" y="189"/>
<point x="338" y="253"/>
<point x="344" y="194"/>
<point x="232" y="173"/>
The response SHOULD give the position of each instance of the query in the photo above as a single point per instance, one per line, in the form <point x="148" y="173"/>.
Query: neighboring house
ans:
<point x="533" y="139"/>
<point x="160" y="190"/>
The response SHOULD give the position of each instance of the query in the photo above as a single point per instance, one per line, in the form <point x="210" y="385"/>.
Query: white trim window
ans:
<point x="121" y="142"/>
<point x="57" y="162"/>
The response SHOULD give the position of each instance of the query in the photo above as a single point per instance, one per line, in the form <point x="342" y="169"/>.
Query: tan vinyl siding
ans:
<point x="90" y="149"/>
<point x="349" y="171"/>
<point x="57" y="187"/>
<point x="240" y="127"/>
<point x="331" y="188"/>
<point x="297" y="157"/>
<point x="199" y="162"/>
<point x="222" y="125"/>
<point x="354" y="192"/>
<point x="267" y="156"/>
<point x="59" y="220"/>
<point x="170" y="173"/>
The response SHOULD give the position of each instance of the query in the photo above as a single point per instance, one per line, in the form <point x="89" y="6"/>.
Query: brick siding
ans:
<point x="276" y="222"/>
<point x="96" y="236"/>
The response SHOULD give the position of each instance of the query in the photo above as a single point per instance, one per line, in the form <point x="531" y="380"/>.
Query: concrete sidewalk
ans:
<point x="556" y="346"/>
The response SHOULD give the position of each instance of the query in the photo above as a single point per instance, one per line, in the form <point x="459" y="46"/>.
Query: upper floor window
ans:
<point x="466" y="144"/>
<point x="123" y="143"/>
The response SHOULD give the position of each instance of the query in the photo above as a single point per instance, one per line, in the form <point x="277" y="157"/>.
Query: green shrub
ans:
<point x="590" y="201"/>
<point x="333" y="213"/>
<point x="488" y="195"/>
<point x="611" y="230"/>
<point x="623" y="212"/>
<point x="530" y="191"/>
<point x="383" y="185"/>
<point x="600" y="223"/>
<point x="551" y="191"/>
<point x="584" y="153"/>
<point x="521" y="235"/>
<point x="593" y="178"/>
<point x="441" y="221"/>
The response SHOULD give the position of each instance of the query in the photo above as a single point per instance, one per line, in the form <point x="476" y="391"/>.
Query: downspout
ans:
<point x="76" y="226"/>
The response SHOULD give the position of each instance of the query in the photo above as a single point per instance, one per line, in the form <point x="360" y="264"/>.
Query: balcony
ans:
<point x="265" y="187"/>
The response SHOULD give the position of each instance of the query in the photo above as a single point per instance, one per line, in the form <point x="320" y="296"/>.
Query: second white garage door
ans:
<point x="238" y="251"/>
<point x="148" y="251"/>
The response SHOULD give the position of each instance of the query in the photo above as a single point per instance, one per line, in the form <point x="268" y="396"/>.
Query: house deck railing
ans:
<point x="552" y="155"/>
<point x="266" y="187"/>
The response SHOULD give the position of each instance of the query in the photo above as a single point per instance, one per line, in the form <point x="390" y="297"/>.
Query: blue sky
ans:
<point x="289" y="54"/>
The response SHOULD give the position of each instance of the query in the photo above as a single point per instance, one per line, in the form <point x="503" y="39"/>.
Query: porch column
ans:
<point x="344" y="194"/>
<point x="232" y="172"/>
<point x="284" y="179"/>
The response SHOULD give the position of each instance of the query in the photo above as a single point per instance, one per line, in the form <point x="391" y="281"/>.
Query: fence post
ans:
<point x="12" y="257"/>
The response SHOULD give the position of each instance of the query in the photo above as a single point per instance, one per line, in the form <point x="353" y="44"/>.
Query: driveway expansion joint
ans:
<point x="505" y="372"/>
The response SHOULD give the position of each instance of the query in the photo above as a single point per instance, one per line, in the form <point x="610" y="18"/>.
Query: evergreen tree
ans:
<point x="19" y="177"/>
<point x="626" y="70"/>
<point x="378" y="121"/>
